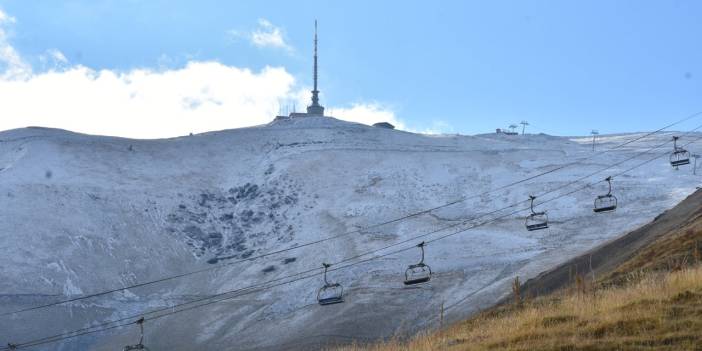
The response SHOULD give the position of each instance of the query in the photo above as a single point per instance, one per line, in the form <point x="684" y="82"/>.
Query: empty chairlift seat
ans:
<point x="418" y="273"/>
<point x="536" y="220"/>
<point x="607" y="202"/>
<point x="140" y="345"/>
<point x="680" y="156"/>
<point x="330" y="293"/>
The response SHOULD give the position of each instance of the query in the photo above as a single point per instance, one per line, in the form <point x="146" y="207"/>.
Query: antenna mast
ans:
<point x="315" y="56"/>
<point x="315" y="109"/>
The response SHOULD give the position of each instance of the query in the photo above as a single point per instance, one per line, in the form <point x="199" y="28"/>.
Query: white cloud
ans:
<point x="57" y="56"/>
<point x="367" y="113"/>
<point x="370" y="113"/>
<point x="10" y="60"/>
<point x="141" y="103"/>
<point x="266" y="35"/>
<point x="202" y="96"/>
<point x="5" y="18"/>
<point x="151" y="103"/>
<point x="53" y="59"/>
<point x="437" y="127"/>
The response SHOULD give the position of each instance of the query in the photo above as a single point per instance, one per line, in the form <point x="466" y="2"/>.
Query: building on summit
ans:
<point x="385" y="125"/>
<point x="315" y="109"/>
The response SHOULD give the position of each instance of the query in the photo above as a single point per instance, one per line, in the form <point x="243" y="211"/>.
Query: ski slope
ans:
<point x="82" y="214"/>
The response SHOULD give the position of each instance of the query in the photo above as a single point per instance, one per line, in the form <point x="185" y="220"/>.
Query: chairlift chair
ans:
<point x="330" y="293"/>
<point x="140" y="345"/>
<point x="680" y="156"/>
<point x="418" y="273"/>
<point x="607" y="202"/>
<point x="536" y="220"/>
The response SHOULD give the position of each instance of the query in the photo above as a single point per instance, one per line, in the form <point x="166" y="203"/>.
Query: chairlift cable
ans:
<point x="618" y="174"/>
<point x="426" y="234"/>
<point x="263" y="286"/>
<point x="453" y="225"/>
<point x="314" y="242"/>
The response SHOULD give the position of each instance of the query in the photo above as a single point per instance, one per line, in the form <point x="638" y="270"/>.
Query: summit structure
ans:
<point x="315" y="109"/>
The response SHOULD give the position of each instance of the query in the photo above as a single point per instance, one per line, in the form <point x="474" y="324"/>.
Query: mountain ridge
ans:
<point x="86" y="214"/>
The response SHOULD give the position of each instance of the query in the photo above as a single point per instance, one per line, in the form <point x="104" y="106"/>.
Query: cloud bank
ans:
<point x="368" y="113"/>
<point x="150" y="103"/>
<point x="202" y="96"/>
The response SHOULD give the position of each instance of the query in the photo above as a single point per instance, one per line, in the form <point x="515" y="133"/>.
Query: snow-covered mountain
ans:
<point x="81" y="214"/>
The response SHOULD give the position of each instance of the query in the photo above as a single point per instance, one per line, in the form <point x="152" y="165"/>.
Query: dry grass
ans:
<point x="653" y="301"/>
<point x="657" y="311"/>
<point x="680" y="248"/>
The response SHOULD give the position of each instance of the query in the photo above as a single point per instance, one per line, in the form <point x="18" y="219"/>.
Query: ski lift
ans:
<point x="680" y="156"/>
<point x="418" y="273"/>
<point x="140" y="345"/>
<point x="536" y="220"/>
<point x="330" y="294"/>
<point x="608" y="202"/>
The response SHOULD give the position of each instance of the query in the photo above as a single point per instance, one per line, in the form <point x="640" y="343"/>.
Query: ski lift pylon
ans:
<point x="680" y="156"/>
<point x="420" y="272"/>
<point x="607" y="202"/>
<point x="536" y="220"/>
<point x="330" y="293"/>
<point x="140" y="345"/>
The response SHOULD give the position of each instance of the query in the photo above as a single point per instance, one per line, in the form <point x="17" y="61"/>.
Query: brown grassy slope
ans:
<point x="657" y="313"/>
<point x="650" y="301"/>
<point x="672" y="252"/>
<point x="613" y="255"/>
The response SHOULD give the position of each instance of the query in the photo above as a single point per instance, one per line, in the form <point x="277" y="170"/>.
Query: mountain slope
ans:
<point x="647" y="296"/>
<point x="84" y="213"/>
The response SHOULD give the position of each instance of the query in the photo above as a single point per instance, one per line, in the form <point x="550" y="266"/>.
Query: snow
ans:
<point x="85" y="213"/>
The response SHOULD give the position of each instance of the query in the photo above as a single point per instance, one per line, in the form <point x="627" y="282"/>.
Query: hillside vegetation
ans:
<point x="653" y="301"/>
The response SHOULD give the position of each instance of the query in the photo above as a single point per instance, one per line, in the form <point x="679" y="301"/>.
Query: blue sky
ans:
<point x="451" y="66"/>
